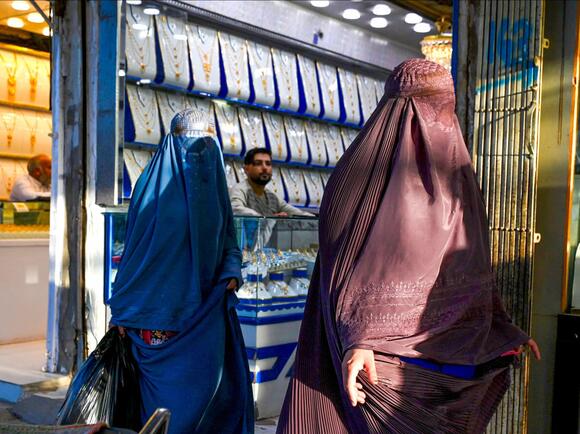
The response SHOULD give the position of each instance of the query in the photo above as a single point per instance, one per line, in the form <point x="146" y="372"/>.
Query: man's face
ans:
<point x="260" y="171"/>
<point x="44" y="171"/>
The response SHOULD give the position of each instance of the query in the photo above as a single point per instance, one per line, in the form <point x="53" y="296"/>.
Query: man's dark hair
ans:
<point x="249" y="158"/>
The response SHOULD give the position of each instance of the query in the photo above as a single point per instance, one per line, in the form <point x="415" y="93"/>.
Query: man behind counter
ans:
<point x="35" y="185"/>
<point x="251" y="197"/>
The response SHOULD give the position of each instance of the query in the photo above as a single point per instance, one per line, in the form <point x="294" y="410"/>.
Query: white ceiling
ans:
<point x="397" y="29"/>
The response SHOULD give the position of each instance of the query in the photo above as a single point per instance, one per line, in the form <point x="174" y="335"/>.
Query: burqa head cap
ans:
<point x="191" y="122"/>
<point x="415" y="77"/>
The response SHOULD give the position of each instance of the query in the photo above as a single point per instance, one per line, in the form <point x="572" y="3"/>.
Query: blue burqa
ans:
<point x="180" y="253"/>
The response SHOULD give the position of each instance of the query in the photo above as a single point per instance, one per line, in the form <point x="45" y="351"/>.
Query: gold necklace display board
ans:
<point x="140" y="44"/>
<point x="350" y="97"/>
<point x="24" y="78"/>
<point x="9" y="171"/>
<point x="174" y="53"/>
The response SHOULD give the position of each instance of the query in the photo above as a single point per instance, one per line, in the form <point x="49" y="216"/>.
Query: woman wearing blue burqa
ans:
<point x="174" y="291"/>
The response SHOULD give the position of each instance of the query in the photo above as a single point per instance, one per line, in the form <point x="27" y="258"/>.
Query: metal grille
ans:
<point x="504" y="149"/>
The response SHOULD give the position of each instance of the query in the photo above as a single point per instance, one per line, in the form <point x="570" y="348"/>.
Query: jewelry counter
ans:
<point x="278" y="259"/>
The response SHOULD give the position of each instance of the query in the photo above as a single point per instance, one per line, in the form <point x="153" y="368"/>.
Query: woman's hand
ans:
<point x="532" y="345"/>
<point x="120" y="328"/>
<point x="354" y="361"/>
<point x="232" y="285"/>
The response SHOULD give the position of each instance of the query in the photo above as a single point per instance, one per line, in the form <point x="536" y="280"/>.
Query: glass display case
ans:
<point x="24" y="220"/>
<point x="278" y="259"/>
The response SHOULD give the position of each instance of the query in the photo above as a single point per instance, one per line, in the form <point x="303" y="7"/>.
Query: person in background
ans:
<point x="36" y="184"/>
<point x="252" y="198"/>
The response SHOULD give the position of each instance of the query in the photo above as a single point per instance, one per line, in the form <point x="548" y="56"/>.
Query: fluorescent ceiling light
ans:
<point x="35" y="17"/>
<point x="46" y="31"/>
<point x="144" y="81"/>
<point x="17" y="23"/>
<point x="134" y="2"/>
<point x="381" y="9"/>
<point x="122" y="73"/>
<point x="151" y="11"/>
<point x="319" y="3"/>
<point x="351" y="14"/>
<point x="422" y="27"/>
<point x="413" y="18"/>
<point x="379" y="23"/>
<point x="20" y="5"/>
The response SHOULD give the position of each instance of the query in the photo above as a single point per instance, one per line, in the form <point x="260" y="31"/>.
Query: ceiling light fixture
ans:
<point x="151" y="11"/>
<point x="438" y="48"/>
<point x="35" y="17"/>
<point x="20" y="5"/>
<point x="144" y="81"/>
<point x="46" y="31"/>
<point x="379" y="23"/>
<point x="134" y="2"/>
<point x="14" y="22"/>
<point x="413" y="18"/>
<point x="422" y="27"/>
<point x="319" y="3"/>
<point x="381" y="9"/>
<point x="351" y="14"/>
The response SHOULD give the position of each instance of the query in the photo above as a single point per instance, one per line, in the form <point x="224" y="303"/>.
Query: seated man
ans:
<point x="251" y="198"/>
<point x="35" y="185"/>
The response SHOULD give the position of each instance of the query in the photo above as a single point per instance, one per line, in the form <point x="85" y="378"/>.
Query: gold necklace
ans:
<point x="230" y="127"/>
<point x="136" y="98"/>
<point x="326" y="72"/>
<point x="285" y="67"/>
<point x="252" y="126"/>
<point x="170" y="27"/>
<point x="310" y="80"/>
<point x="237" y="72"/>
<point x="297" y="134"/>
<point x="334" y="138"/>
<point x="32" y="78"/>
<point x="9" y="178"/>
<point x="11" y="70"/>
<point x="348" y="85"/>
<point x="295" y="186"/>
<point x="263" y="65"/>
<point x="10" y="126"/>
<point x="32" y="131"/>
<point x="206" y="56"/>
<point x="274" y="127"/>
<point x="315" y="185"/>
<point x="315" y="133"/>
<point x="140" y="46"/>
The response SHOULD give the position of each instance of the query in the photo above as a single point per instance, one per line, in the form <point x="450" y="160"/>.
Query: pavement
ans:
<point x="41" y="410"/>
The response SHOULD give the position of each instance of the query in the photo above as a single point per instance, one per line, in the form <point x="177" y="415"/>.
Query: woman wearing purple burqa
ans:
<point x="404" y="331"/>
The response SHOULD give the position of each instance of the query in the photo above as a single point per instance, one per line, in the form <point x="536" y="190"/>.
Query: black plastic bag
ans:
<point x="106" y="387"/>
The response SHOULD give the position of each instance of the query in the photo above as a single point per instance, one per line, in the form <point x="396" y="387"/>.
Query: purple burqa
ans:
<point x="403" y="269"/>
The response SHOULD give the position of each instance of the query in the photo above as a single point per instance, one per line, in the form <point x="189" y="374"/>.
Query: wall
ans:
<point x="553" y="162"/>
<point x="299" y="23"/>
<point x="24" y="306"/>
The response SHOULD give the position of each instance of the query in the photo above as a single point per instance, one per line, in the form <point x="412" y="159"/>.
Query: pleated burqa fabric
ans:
<point x="403" y="269"/>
